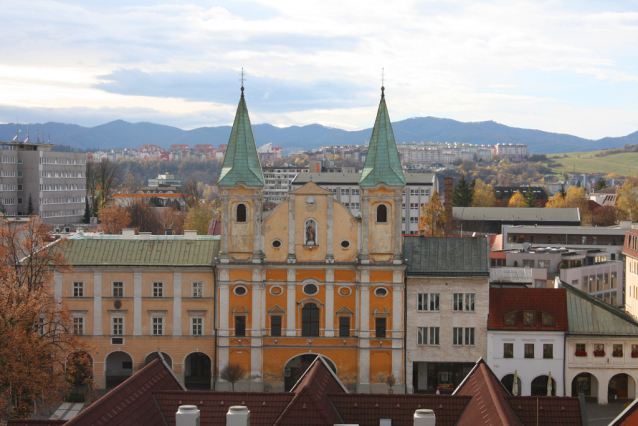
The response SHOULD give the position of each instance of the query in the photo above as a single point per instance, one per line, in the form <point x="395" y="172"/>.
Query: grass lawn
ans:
<point x="585" y="162"/>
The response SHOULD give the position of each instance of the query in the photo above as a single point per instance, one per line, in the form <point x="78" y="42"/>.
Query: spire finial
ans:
<point x="242" y="79"/>
<point x="382" y="82"/>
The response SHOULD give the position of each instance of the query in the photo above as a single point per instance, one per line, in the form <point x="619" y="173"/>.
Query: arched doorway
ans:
<point x="508" y="382"/>
<point x="197" y="371"/>
<point x="118" y="367"/>
<point x="153" y="355"/>
<point x="618" y="387"/>
<point x="539" y="386"/>
<point x="585" y="383"/>
<point x="297" y="366"/>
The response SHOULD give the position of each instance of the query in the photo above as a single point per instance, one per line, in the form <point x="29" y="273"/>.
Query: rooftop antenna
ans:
<point x="27" y="139"/>
<point x="17" y="138"/>
<point x="242" y="79"/>
<point x="38" y="136"/>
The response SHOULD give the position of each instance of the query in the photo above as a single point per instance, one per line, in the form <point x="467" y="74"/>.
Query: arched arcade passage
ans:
<point x="297" y="366"/>
<point x="118" y="366"/>
<point x="197" y="371"/>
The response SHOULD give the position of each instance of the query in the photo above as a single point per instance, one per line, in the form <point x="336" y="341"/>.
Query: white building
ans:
<point x="417" y="155"/>
<point x="446" y="308"/>
<point x="526" y="338"/>
<point x="418" y="189"/>
<point x="512" y="152"/>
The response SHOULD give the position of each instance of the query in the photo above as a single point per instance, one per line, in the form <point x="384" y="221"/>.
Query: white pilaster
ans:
<point x="177" y="303"/>
<point x="137" y="303"/>
<point x="257" y="252"/>
<point x="397" y="333"/>
<point x="291" y="229"/>
<point x="365" y="199"/>
<point x="291" y="325"/>
<point x="224" y="257"/>
<point x="223" y="321"/>
<point x="330" y="300"/>
<point x="97" y="303"/>
<point x="57" y="286"/>
<point x="330" y="231"/>
<point x="256" y="341"/>
<point x="398" y="256"/>
<point x="364" y="343"/>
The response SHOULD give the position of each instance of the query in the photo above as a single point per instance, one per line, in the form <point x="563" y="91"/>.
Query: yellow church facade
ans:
<point x="309" y="278"/>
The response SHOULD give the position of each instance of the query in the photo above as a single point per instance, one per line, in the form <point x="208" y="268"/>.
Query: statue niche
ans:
<point x="310" y="233"/>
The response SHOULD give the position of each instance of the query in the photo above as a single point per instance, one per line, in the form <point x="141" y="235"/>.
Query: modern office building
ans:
<point x="54" y="181"/>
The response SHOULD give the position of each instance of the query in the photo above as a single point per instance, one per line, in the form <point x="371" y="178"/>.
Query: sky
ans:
<point x="562" y="66"/>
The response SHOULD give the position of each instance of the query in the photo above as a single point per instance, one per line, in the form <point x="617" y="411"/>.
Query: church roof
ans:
<point x="383" y="164"/>
<point x="241" y="162"/>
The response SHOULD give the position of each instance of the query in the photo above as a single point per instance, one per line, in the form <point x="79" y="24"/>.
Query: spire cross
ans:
<point x="242" y="79"/>
<point x="382" y="81"/>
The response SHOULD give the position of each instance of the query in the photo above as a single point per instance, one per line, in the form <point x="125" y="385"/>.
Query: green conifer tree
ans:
<point x="463" y="193"/>
<point x="87" y="212"/>
<point x="530" y="198"/>
<point x="30" y="206"/>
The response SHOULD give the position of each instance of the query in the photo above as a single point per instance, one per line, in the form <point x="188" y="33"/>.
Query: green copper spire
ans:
<point x="241" y="163"/>
<point x="383" y="164"/>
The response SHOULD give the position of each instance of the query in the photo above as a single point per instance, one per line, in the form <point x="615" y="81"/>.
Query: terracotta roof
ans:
<point x="628" y="417"/>
<point x="265" y="407"/>
<point x="23" y="422"/>
<point x="368" y="409"/>
<point x="546" y="410"/>
<point x="488" y="405"/>
<point x="507" y="300"/>
<point x="132" y="402"/>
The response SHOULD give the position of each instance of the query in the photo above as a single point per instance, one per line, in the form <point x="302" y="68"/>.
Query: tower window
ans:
<point x="310" y="320"/>
<point x="382" y="214"/>
<point x="241" y="213"/>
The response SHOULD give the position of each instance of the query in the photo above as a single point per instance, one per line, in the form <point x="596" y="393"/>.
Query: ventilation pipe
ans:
<point x="238" y="415"/>
<point x="424" y="417"/>
<point x="187" y="415"/>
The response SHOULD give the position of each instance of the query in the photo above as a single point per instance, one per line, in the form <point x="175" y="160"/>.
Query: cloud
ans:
<point x="222" y="86"/>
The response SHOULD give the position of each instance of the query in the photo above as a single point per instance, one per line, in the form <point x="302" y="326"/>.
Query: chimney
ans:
<point x="128" y="234"/>
<point x="187" y="415"/>
<point x="238" y="415"/>
<point x="168" y="231"/>
<point x="190" y="235"/>
<point x="424" y="417"/>
<point x="449" y="188"/>
<point x="145" y="235"/>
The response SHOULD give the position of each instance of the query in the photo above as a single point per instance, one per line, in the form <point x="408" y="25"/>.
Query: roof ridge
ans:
<point x="595" y="301"/>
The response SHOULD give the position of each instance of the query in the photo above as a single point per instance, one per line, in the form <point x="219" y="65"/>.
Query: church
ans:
<point x="309" y="278"/>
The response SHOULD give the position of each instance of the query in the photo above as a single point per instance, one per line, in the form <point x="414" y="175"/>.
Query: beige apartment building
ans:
<point x="133" y="295"/>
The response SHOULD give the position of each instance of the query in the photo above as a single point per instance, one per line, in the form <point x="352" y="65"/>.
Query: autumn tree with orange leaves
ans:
<point x="432" y="219"/>
<point x="113" y="219"/>
<point x="36" y="329"/>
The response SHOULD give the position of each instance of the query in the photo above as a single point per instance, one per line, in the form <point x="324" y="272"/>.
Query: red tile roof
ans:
<point x="628" y="417"/>
<point x="367" y="409"/>
<point x="132" y="402"/>
<point x="488" y="405"/>
<point x="546" y="410"/>
<point x="265" y="407"/>
<point x="23" y="422"/>
<point x="628" y="248"/>
<point x="507" y="300"/>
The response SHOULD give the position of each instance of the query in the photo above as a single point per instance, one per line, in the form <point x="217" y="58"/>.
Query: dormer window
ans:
<point x="510" y="319"/>
<point x="240" y="216"/>
<point x="382" y="214"/>
<point x="529" y="319"/>
<point x="548" y="320"/>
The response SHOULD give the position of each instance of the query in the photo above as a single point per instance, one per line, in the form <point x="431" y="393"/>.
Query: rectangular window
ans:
<point x="529" y="350"/>
<point x="428" y="302"/>
<point x="458" y="301"/>
<point x="543" y="263"/>
<point x="344" y="326"/>
<point x="457" y="336"/>
<point x="78" y="289"/>
<point x="158" y="289"/>
<point x="510" y="319"/>
<point x="428" y="336"/>
<point x="508" y="350"/>
<point x="197" y="325"/>
<point x="275" y="325"/>
<point x="617" y="351"/>
<point x="118" y="289"/>
<point x="197" y="289"/>
<point x="529" y="319"/>
<point x="464" y="302"/>
<point x="118" y="326"/>
<point x="528" y="263"/>
<point x="548" y="320"/>
<point x="78" y="325"/>
<point x="469" y="302"/>
<point x="380" y="324"/>
<point x="548" y="350"/>
<point x="469" y="336"/>
<point x="434" y="335"/>
<point x="240" y="326"/>
<point x="158" y="326"/>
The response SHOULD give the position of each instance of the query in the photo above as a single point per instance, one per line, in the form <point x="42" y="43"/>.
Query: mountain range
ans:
<point x="122" y="134"/>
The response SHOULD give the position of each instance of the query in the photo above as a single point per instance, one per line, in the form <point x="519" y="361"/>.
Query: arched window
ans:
<point x="382" y="214"/>
<point x="310" y="320"/>
<point x="310" y="233"/>
<point x="240" y="217"/>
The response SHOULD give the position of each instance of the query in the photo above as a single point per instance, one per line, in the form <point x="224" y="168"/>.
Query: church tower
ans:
<point x="241" y="183"/>
<point x="382" y="183"/>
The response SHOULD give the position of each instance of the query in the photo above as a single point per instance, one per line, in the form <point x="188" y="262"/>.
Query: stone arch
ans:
<point x="298" y="364"/>
<point x="538" y="386"/>
<point x="508" y="382"/>
<point x="118" y="366"/>
<point x="197" y="371"/>
<point x="382" y="213"/>
<point x="586" y="382"/>
<point x="621" y="386"/>
<point x="153" y="355"/>
<point x="241" y="213"/>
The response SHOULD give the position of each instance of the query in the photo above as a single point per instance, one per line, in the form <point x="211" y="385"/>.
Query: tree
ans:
<point x="574" y="198"/>
<point x="131" y="184"/>
<point x="232" y="373"/>
<point x="172" y="218"/>
<point x="192" y="193"/>
<point x="628" y="198"/>
<point x="87" y="212"/>
<point x="198" y="218"/>
<point x="113" y="219"/>
<point x="101" y="180"/>
<point x="562" y="191"/>
<point x="600" y="184"/>
<point x="143" y="217"/>
<point x="30" y="206"/>
<point x="36" y="329"/>
<point x="517" y="200"/>
<point x="432" y="219"/>
<point x="605" y="216"/>
<point x="462" y="195"/>
<point x="530" y="198"/>
<point x="483" y="195"/>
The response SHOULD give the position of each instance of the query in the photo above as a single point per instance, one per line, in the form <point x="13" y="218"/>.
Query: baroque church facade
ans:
<point x="309" y="278"/>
